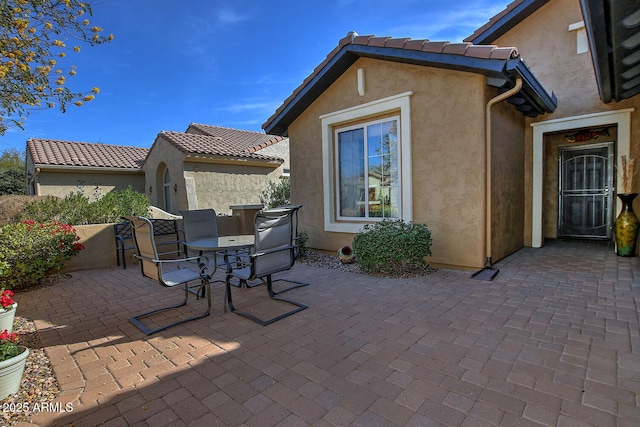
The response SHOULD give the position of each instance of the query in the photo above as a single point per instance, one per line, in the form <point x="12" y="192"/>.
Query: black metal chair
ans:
<point x="154" y="268"/>
<point x="295" y="239"/>
<point x="274" y="251"/>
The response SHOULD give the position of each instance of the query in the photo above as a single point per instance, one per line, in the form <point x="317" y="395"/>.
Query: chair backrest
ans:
<point x="199" y="224"/>
<point x="274" y="230"/>
<point x="146" y="247"/>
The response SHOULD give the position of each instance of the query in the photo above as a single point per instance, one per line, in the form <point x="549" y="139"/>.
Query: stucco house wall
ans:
<point x="447" y="161"/>
<point x="200" y="181"/>
<point x="551" y="51"/>
<point x="93" y="184"/>
<point x="220" y="185"/>
<point x="161" y="158"/>
<point x="59" y="168"/>
<point x="507" y="175"/>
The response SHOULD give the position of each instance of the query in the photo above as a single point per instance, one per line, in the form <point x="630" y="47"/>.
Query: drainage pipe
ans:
<point x="491" y="102"/>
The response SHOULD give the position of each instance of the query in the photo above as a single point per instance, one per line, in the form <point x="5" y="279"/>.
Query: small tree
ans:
<point x="33" y="36"/>
<point x="12" y="181"/>
<point x="277" y="193"/>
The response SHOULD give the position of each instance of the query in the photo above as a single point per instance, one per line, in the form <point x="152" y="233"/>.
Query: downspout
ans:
<point x="491" y="102"/>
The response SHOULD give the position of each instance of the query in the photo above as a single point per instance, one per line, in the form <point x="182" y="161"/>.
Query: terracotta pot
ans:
<point x="346" y="255"/>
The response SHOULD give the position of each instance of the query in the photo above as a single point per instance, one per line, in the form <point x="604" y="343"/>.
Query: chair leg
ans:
<point x="256" y="319"/>
<point x="296" y="285"/>
<point x="149" y="331"/>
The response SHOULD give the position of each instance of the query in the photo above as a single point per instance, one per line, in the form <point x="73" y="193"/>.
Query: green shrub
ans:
<point x="77" y="209"/>
<point x="277" y="193"/>
<point x="392" y="247"/>
<point x="33" y="250"/>
<point x="303" y="238"/>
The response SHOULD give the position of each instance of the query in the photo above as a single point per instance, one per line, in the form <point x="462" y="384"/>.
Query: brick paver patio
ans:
<point x="554" y="340"/>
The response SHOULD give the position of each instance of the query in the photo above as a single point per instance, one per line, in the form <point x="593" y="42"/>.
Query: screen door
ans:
<point x="586" y="191"/>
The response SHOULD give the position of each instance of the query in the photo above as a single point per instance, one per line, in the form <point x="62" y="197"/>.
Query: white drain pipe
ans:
<point x="491" y="102"/>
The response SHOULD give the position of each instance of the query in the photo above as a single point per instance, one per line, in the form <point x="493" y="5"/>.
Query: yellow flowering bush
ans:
<point x="29" y="42"/>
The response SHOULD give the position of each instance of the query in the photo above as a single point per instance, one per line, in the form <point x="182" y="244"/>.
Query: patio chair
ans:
<point x="274" y="251"/>
<point x="168" y="273"/>
<point x="295" y="239"/>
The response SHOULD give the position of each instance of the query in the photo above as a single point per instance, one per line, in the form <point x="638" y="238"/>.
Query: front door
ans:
<point x="586" y="191"/>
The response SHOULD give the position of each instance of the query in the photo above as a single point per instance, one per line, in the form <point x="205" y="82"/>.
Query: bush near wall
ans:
<point x="77" y="209"/>
<point x="392" y="247"/>
<point x="32" y="251"/>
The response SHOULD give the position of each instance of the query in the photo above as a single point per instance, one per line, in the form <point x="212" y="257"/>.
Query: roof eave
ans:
<point x="349" y="54"/>
<point x="595" y="23"/>
<point x="532" y="90"/>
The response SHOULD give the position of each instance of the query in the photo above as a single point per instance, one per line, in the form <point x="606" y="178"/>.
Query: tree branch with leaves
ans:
<point x="33" y="36"/>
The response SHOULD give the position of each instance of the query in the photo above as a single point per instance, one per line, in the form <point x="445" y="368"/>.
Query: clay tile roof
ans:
<point x="199" y="144"/>
<point x="236" y="139"/>
<point x="85" y="154"/>
<point x="504" y="63"/>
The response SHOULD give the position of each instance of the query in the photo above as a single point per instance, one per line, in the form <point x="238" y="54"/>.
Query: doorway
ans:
<point x="586" y="191"/>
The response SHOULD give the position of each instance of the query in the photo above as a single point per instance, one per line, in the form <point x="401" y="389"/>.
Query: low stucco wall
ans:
<point x="99" y="248"/>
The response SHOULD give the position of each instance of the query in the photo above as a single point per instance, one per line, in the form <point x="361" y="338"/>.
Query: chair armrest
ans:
<point x="171" y="261"/>
<point x="274" y="250"/>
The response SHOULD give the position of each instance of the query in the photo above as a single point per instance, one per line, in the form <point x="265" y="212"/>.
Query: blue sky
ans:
<point x="224" y="63"/>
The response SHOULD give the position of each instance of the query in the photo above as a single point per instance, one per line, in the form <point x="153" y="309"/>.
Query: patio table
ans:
<point x="222" y="244"/>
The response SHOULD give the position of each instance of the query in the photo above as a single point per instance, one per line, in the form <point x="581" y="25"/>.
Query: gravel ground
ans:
<point x="39" y="385"/>
<point x="325" y="260"/>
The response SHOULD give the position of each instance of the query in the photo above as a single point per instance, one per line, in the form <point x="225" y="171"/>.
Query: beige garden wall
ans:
<point x="99" y="248"/>
<point x="447" y="122"/>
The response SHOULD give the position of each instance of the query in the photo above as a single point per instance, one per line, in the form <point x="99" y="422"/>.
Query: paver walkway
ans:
<point x="554" y="340"/>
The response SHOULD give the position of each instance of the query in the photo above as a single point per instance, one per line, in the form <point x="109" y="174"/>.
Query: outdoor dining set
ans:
<point x="248" y="261"/>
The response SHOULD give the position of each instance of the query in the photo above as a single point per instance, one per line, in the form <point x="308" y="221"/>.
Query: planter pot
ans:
<point x="7" y="318"/>
<point x="11" y="371"/>
<point x="346" y="255"/>
<point x="626" y="227"/>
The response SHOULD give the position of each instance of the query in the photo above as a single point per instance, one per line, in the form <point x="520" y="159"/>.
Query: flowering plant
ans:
<point x="6" y="299"/>
<point x="31" y="251"/>
<point x="9" y="345"/>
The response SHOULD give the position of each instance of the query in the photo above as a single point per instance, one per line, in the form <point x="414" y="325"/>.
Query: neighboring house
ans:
<point x="424" y="114"/>
<point x="206" y="167"/>
<point x="61" y="167"/>
<point x="212" y="167"/>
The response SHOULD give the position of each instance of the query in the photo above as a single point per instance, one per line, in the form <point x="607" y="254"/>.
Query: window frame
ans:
<point x="397" y="105"/>
<point x="367" y="187"/>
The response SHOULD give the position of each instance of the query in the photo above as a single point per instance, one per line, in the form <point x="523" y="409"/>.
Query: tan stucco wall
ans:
<point x="281" y="150"/>
<point x="164" y="155"/>
<point x="99" y="248"/>
<point x="550" y="50"/>
<point x="93" y="185"/>
<point x="507" y="164"/>
<point x="448" y="155"/>
<point x="220" y="186"/>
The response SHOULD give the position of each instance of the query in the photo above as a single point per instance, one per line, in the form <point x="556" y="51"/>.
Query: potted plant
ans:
<point x="13" y="358"/>
<point x="8" y="310"/>
<point x="346" y="255"/>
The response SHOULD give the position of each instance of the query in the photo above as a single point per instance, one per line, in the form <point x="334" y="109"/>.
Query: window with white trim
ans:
<point x="367" y="163"/>
<point x="367" y="170"/>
